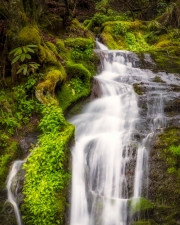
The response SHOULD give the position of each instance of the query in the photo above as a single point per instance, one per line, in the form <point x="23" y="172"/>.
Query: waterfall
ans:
<point x="112" y="137"/>
<point x="17" y="165"/>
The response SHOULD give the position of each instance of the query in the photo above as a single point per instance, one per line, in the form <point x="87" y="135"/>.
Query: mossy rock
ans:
<point x="78" y="30"/>
<point x="45" y="55"/>
<point x="144" y="222"/>
<point x="109" y="40"/>
<point x="45" y="90"/>
<point x="158" y="79"/>
<point x="78" y="70"/>
<point x="10" y="152"/>
<point x="60" y="45"/>
<point x="138" y="89"/>
<point x="68" y="93"/>
<point x="140" y="204"/>
<point x="52" y="47"/>
<point x="29" y="35"/>
<point x="80" y="43"/>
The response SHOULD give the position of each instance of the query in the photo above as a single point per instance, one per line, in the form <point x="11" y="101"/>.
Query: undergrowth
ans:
<point x="46" y="170"/>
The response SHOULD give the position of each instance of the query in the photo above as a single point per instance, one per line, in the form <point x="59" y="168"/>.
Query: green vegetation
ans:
<point x="140" y="204"/>
<point x="138" y="89"/>
<point x="158" y="79"/>
<point x="47" y="175"/>
<point x="29" y="35"/>
<point x="55" y="52"/>
<point x="22" y="54"/>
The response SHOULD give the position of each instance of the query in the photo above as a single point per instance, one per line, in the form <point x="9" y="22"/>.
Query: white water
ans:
<point x="16" y="167"/>
<point x="106" y="144"/>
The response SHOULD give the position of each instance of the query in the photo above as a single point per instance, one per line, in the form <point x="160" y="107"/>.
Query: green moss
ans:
<point x="138" y="89"/>
<point x="86" y="22"/>
<point x="52" y="47"/>
<point x="47" y="176"/>
<point x="10" y="152"/>
<point x="144" y="222"/>
<point x="60" y="45"/>
<point x="140" y="204"/>
<point x="78" y="30"/>
<point x="109" y="41"/>
<point x="45" y="90"/>
<point x="71" y="91"/>
<point x="158" y="79"/>
<point x="78" y="70"/>
<point x="29" y="35"/>
<point x="81" y="43"/>
<point x="45" y="55"/>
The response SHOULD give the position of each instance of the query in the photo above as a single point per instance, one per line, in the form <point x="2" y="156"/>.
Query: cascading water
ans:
<point x="17" y="165"/>
<point x="112" y="137"/>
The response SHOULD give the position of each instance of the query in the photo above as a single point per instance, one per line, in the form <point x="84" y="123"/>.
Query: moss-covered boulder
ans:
<point x="164" y="178"/>
<point x="29" y="35"/>
<point x="81" y="43"/>
<point x="78" y="70"/>
<point x="45" y="90"/>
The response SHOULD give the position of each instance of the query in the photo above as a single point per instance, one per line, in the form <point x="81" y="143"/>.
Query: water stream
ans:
<point x="17" y="165"/>
<point x="113" y="138"/>
<point x="114" y="134"/>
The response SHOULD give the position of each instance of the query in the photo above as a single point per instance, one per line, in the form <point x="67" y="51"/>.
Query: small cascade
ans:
<point x="113" y="138"/>
<point x="16" y="167"/>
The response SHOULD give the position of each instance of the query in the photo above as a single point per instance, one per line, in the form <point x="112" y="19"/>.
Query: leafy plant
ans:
<point x="46" y="172"/>
<point x="118" y="29"/>
<point x="23" y="54"/>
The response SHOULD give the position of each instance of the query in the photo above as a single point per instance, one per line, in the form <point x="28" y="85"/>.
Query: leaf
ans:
<point x="30" y="50"/>
<point x="28" y="56"/>
<point x="18" y="52"/>
<point x="32" y="46"/>
<point x="16" y="59"/>
<point x="20" y="70"/>
<point x="25" y="49"/>
<point x="23" y="56"/>
<point x="14" y="50"/>
<point x="73" y="91"/>
<point x="25" y="70"/>
<point x="34" y="65"/>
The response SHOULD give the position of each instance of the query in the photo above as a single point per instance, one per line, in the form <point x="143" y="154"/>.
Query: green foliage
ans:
<point x="119" y="28"/>
<point x="130" y="39"/>
<point x="140" y="204"/>
<point x="52" y="47"/>
<point x="98" y="20"/>
<point x="17" y="108"/>
<point x="158" y="79"/>
<point x="46" y="170"/>
<point x="102" y="6"/>
<point x="170" y="143"/>
<point x="60" y="45"/>
<point x="53" y="119"/>
<point x="9" y="150"/>
<point x="78" y="70"/>
<point x="138" y="89"/>
<point x="175" y="150"/>
<point x="22" y="54"/>
<point x="71" y="91"/>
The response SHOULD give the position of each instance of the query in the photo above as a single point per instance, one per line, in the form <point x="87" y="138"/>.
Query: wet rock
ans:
<point x="7" y="216"/>
<point x="17" y="186"/>
<point x="28" y="141"/>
